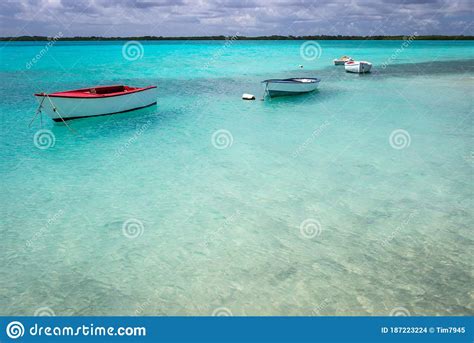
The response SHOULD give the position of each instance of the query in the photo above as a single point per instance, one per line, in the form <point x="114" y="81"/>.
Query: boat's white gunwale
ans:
<point x="312" y="80"/>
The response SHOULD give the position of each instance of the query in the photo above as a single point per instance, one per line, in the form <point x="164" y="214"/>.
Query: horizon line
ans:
<point x="60" y="37"/>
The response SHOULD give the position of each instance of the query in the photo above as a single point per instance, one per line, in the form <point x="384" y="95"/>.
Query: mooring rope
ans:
<point x="59" y="114"/>
<point x="38" y="111"/>
<point x="55" y="109"/>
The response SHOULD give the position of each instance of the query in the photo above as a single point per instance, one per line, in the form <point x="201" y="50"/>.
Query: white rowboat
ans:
<point x="280" y="87"/>
<point x="98" y="101"/>
<point x="358" y="66"/>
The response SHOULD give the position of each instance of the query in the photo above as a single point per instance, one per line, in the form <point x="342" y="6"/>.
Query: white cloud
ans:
<point x="214" y="17"/>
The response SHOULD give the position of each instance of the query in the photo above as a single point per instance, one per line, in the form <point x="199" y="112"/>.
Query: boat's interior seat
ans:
<point x="107" y="90"/>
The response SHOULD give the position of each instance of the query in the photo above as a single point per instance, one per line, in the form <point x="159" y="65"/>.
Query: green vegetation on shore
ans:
<point x="274" y="37"/>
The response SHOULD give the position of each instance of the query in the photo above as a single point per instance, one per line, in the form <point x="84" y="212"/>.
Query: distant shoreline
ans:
<point x="197" y="38"/>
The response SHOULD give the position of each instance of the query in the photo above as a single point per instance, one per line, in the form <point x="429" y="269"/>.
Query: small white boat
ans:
<point x="358" y="66"/>
<point x="97" y="101"/>
<point x="293" y="86"/>
<point x="341" y="60"/>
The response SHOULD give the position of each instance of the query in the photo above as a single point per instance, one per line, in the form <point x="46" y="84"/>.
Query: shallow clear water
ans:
<point x="311" y="210"/>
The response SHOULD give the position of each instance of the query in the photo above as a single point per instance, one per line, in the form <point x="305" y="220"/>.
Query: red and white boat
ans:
<point x="97" y="101"/>
<point x="358" y="67"/>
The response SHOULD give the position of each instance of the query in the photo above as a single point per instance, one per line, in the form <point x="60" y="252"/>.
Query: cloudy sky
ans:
<point x="229" y="17"/>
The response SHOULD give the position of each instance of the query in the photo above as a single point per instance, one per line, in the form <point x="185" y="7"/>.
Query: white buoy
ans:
<point x="247" y="96"/>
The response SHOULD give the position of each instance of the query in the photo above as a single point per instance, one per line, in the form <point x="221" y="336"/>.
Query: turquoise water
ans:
<point x="353" y="200"/>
